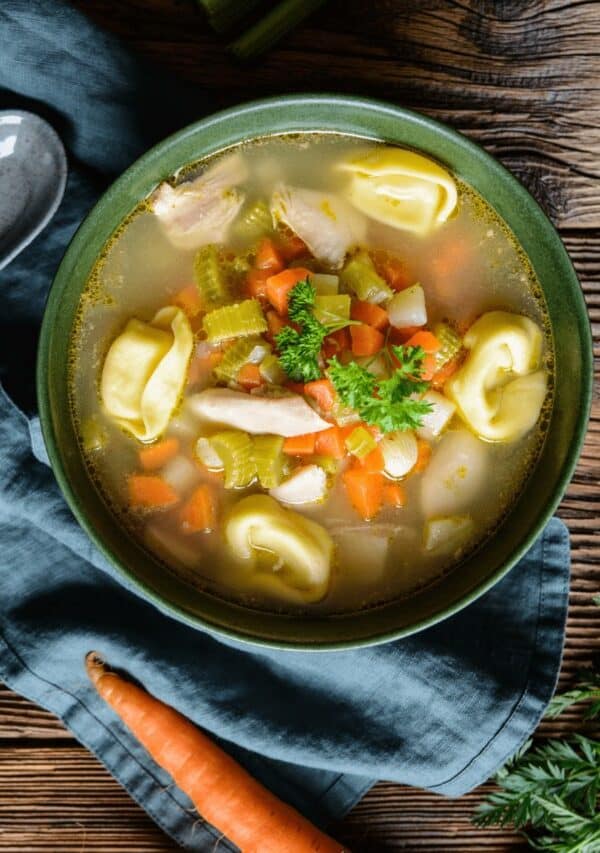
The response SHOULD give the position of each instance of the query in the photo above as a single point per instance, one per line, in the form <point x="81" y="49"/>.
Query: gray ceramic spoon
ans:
<point x="33" y="173"/>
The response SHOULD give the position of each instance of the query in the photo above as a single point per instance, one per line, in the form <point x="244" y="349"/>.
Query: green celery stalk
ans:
<point x="270" y="29"/>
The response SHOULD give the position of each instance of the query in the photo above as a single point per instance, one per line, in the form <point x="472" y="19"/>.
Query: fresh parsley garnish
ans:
<point x="299" y="350"/>
<point x="390" y="404"/>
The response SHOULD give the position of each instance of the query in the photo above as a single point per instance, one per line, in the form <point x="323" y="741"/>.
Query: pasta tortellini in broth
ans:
<point x="401" y="188"/>
<point x="500" y="389"/>
<point x="144" y="372"/>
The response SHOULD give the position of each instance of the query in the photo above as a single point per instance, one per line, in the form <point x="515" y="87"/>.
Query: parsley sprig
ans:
<point x="391" y="404"/>
<point x="299" y="350"/>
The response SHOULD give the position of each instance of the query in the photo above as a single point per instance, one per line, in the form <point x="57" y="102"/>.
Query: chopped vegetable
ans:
<point x="199" y="513"/>
<point x="435" y="421"/>
<point x="149" y="491"/>
<point x="324" y="284"/>
<point x="235" y="450"/>
<point x="93" y="435"/>
<point x="372" y="315"/>
<point x="268" y="30"/>
<point x="373" y="461"/>
<point x="423" y="456"/>
<point x="392" y="270"/>
<point x="271" y="370"/>
<point x="256" y="283"/>
<point x="323" y="392"/>
<point x="209" y="277"/>
<point x="251" y="349"/>
<point x="332" y="310"/>
<point x="327" y="463"/>
<point x="306" y="485"/>
<point x="291" y="246"/>
<point x="365" y="491"/>
<point x="450" y="344"/>
<point x="331" y="442"/>
<point x="430" y="346"/>
<point x="269" y="459"/>
<point x="407" y="308"/>
<point x="188" y="300"/>
<point x="208" y="455"/>
<point x="336" y="343"/>
<point x="448" y="535"/>
<point x="275" y="324"/>
<point x="253" y="221"/>
<point x="360" y="276"/>
<point x="156" y="455"/>
<point x="366" y="340"/>
<point x="268" y="256"/>
<point x="300" y="445"/>
<point x="360" y="442"/>
<point x="249" y="376"/>
<point x="394" y="495"/>
<point x="400" y="453"/>
<point x="233" y="321"/>
<point x="212" y="780"/>
<point x="280" y="285"/>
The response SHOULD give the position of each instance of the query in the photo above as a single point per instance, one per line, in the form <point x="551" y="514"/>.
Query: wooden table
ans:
<point x="522" y="77"/>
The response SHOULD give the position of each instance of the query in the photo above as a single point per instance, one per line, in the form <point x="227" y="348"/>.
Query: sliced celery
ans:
<point x="235" y="321"/>
<point x="325" y="284"/>
<point x="451" y="344"/>
<point x="252" y="349"/>
<point x="269" y="460"/>
<point x="254" y="221"/>
<point x="327" y="463"/>
<point x="272" y="371"/>
<point x="360" y="276"/>
<point x="93" y="435"/>
<point x="331" y="310"/>
<point x="360" y="442"/>
<point x="210" y="277"/>
<point x="234" y="449"/>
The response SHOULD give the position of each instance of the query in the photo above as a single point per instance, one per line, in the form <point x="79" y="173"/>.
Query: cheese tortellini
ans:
<point x="401" y="188"/>
<point x="144" y="372"/>
<point x="500" y="389"/>
<point x="281" y="552"/>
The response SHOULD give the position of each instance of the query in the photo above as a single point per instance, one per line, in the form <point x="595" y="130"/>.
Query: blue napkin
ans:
<point x="441" y="710"/>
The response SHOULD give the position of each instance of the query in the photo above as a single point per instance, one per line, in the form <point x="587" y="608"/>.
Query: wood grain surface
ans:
<point x="522" y="77"/>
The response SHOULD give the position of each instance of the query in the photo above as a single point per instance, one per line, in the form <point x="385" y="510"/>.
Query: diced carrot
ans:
<point x="268" y="256"/>
<point x="199" y="512"/>
<point x="401" y="336"/>
<point x="370" y="314"/>
<point x="323" y="392"/>
<point x="365" y="340"/>
<point x="365" y="491"/>
<point x="392" y="270"/>
<point x="423" y="456"/>
<point x="394" y="494"/>
<point x="279" y="286"/>
<point x="256" y="283"/>
<point x="300" y="445"/>
<point x="296" y="387"/>
<point x="188" y="300"/>
<point x="292" y="247"/>
<point x="249" y="376"/>
<point x="275" y="323"/>
<point x="336" y="343"/>
<point x="425" y="340"/>
<point x="149" y="491"/>
<point x="331" y="442"/>
<point x="202" y="366"/>
<point x="444" y="373"/>
<point x="372" y="462"/>
<point x="156" y="455"/>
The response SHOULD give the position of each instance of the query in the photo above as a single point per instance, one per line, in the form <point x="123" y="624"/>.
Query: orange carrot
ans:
<point x="275" y="324"/>
<point x="331" y="442"/>
<point x="373" y="462"/>
<point x="199" y="512"/>
<point x="279" y="286"/>
<point x="426" y="340"/>
<point x="444" y="373"/>
<point x="394" y="495"/>
<point x="156" y="455"/>
<point x="392" y="270"/>
<point x="249" y="376"/>
<point x="365" y="340"/>
<point x="336" y="343"/>
<point x="323" y="392"/>
<point x="225" y="794"/>
<point x="148" y="491"/>
<point x="401" y="336"/>
<point x="256" y="283"/>
<point x="423" y="456"/>
<point x="188" y="300"/>
<point x="292" y="247"/>
<point x="370" y="314"/>
<point x="296" y="387"/>
<point x="300" y="445"/>
<point x="365" y="491"/>
<point x="268" y="257"/>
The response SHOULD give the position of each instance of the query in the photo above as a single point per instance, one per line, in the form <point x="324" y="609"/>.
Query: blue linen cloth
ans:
<point x="440" y="710"/>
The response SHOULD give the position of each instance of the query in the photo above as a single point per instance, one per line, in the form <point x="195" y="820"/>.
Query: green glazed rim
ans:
<point x="369" y="118"/>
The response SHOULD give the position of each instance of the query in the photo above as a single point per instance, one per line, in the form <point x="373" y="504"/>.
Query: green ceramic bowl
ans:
<point x="545" y="487"/>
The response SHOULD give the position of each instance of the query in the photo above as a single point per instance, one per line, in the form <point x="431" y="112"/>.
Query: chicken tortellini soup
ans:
<point x="311" y="372"/>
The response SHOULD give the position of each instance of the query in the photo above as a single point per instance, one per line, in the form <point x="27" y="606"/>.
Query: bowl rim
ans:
<point x="138" y="168"/>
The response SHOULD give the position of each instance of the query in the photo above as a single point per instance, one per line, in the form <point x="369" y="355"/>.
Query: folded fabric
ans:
<point x="442" y="709"/>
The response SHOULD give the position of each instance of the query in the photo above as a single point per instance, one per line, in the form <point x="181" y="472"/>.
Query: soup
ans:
<point x="311" y="373"/>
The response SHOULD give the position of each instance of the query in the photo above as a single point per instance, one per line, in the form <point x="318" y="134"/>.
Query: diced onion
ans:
<point x="435" y="421"/>
<point x="400" y="452"/>
<point x="306" y="485"/>
<point x="407" y="308"/>
<point x="208" y="455"/>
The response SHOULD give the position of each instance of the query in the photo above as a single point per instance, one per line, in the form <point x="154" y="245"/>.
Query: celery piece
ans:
<point x="332" y="310"/>
<point x="235" y="321"/>
<point x="327" y="463"/>
<point x="235" y="450"/>
<point x="360" y="442"/>
<point x="451" y="344"/>
<point x="252" y="349"/>
<point x="325" y="284"/>
<point x="225" y="14"/>
<point x="210" y="277"/>
<point x="269" y="459"/>
<point x="360" y="276"/>
<point x="270" y="29"/>
<point x="254" y="221"/>
<point x="272" y="371"/>
<point x="93" y="435"/>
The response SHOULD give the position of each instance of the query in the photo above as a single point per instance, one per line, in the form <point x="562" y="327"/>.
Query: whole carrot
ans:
<point x="222" y="791"/>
